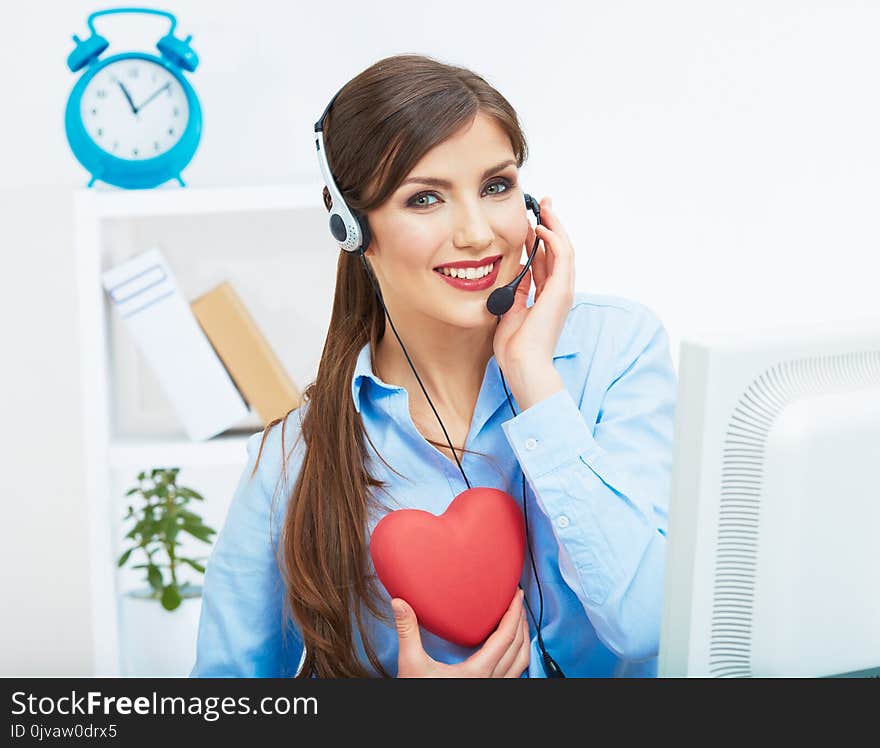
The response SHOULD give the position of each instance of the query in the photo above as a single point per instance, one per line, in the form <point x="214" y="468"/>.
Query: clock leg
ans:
<point x="182" y="183"/>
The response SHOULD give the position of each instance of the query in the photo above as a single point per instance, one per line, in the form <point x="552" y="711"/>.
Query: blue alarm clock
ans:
<point x="133" y="120"/>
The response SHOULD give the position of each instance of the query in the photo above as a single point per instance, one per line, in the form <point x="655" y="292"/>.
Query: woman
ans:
<point x="429" y="153"/>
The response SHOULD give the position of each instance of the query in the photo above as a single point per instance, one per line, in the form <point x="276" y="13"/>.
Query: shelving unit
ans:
<point x="264" y="240"/>
<point x="129" y="452"/>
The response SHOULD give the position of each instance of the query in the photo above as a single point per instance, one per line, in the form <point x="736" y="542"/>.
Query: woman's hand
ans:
<point x="505" y="654"/>
<point x="526" y="338"/>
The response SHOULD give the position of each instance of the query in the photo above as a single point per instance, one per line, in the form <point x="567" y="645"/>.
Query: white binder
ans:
<point x="145" y="294"/>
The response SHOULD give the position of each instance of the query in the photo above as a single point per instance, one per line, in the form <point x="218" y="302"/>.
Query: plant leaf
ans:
<point x="171" y="597"/>
<point x="195" y="564"/>
<point x="154" y="576"/>
<point x="124" y="557"/>
<point x="201" y="532"/>
<point x="189" y="493"/>
<point x="146" y="528"/>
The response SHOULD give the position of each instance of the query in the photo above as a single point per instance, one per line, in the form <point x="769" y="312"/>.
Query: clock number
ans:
<point x="133" y="72"/>
<point x="101" y="94"/>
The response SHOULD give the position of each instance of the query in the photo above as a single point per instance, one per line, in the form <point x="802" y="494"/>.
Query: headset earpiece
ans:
<point x="533" y="206"/>
<point x="366" y="234"/>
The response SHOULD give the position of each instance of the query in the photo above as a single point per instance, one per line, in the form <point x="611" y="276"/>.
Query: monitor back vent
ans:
<point x="736" y="550"/>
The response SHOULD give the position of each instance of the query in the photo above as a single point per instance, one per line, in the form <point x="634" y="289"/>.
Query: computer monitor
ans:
<point x="773" y="556"/>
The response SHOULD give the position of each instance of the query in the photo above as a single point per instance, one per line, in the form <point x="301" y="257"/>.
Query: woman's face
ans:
<point x="461" y="202"/>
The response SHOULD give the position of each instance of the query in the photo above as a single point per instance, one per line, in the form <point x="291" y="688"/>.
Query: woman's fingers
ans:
<point x="521" y="662"/>
<point x="538" y="266"/>
<point x="549" y="241"/>
<point x="410" y="654"/>
<point x="550" y="219"/>
<point x="506" y="663"/>
<point x="485" y="659"/>
<point x="560" y="258"/>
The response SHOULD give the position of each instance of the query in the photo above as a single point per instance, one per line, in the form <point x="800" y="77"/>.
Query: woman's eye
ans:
<point x="419" y="200"/>
<point x="505" y="183"/>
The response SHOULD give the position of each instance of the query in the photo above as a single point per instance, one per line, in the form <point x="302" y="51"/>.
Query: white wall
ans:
<point x="717" y="161"/>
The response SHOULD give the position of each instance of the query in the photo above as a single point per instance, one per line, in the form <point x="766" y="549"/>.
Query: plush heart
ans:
<point x="458" y="571"/>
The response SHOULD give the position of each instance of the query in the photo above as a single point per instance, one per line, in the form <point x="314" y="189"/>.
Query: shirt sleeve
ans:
<point x="240" y="627"/>
<point x="605" y="488"/>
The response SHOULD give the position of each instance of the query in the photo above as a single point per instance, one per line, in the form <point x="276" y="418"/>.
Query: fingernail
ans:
<point x="398" y="609"/>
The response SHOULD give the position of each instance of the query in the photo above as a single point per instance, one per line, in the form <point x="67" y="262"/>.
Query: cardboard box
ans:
<point x="247" y="355"/>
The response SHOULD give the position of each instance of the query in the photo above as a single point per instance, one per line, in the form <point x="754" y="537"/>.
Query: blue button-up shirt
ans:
<point x="597" y="458"/>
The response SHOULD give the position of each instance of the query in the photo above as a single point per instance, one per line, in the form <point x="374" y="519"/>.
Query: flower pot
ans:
<point x="155" y="642"/>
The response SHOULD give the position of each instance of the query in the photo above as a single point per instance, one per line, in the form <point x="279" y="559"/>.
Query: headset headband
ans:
<point x="346" y="226"/>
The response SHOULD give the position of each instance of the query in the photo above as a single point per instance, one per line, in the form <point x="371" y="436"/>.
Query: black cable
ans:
<point x="370" y="275"/>
<point x="550" y="667"/>
<point x="526" y="521"/>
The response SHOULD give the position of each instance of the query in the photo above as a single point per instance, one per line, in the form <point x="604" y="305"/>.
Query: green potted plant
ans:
<point x="159" y="622"/>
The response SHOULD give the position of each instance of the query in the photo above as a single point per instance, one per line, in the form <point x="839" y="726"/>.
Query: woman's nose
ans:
<point x="472" y="228"/>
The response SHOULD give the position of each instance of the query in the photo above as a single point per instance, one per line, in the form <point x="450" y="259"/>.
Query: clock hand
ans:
<point x="154" y="95"/>
<point x="134" y="109"/>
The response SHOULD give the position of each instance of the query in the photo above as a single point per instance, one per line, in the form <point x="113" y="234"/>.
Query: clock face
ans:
<point x="134" y="109"/>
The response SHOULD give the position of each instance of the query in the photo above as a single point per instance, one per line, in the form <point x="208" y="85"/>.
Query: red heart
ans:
<point x="458" y="571"/>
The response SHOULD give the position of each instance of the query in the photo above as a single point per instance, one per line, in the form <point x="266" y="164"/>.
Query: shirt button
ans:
<point x="531" y="443"/>
<point x="562" y="521"/>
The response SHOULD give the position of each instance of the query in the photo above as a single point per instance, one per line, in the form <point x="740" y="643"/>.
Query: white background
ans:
<point x="718" y="162"/>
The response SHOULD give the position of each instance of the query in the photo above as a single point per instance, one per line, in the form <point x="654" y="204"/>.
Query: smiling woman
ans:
<point x="427" y="156"/>
<point x="429" y="152"/>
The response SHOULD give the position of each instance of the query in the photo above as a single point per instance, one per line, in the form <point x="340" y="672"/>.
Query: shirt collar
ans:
<point x="363" y="369"/>
<point x="567" y="345"/>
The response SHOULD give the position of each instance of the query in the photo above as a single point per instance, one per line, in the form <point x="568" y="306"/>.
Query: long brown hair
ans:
<point x="381" y="124"/>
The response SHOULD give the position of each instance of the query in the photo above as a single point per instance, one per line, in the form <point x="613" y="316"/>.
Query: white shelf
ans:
<point x="263" y="237"/>
<point x="143" y="453"/>
<point x="198" y="200"/>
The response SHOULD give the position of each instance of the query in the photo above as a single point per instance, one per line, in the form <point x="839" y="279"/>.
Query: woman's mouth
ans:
<point x="471" y="284"/>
